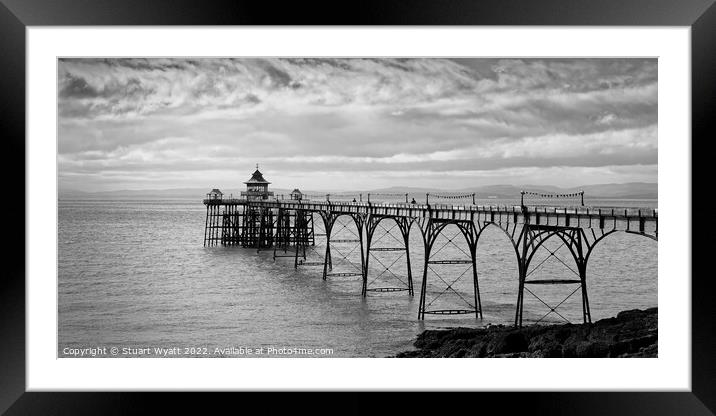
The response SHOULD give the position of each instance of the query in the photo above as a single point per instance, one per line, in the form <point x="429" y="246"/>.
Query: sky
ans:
<point x="355" y="124"/>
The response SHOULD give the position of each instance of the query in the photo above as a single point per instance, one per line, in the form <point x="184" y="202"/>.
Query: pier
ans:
<point x="359" y="228"/>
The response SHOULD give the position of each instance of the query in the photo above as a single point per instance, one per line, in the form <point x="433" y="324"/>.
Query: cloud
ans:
<point x="122" y="120"/>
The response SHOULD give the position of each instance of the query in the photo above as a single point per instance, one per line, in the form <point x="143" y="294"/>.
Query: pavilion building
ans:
<point x="257" y="187"/>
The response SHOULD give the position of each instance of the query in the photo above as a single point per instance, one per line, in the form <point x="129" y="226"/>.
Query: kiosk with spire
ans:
<point x="257" y="187"/>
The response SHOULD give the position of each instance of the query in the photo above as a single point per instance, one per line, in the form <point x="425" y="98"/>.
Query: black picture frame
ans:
<point x="16" y="15"/>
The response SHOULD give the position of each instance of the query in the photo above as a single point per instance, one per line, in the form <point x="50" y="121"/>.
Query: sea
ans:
<point x="135" y="280"/>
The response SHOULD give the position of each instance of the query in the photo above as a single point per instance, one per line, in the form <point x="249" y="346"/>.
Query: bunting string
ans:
<point x="387" y="194"/>
<point x="462" y="196"/>
<point x="541" y="195"/>
<point x="343" y="197"/>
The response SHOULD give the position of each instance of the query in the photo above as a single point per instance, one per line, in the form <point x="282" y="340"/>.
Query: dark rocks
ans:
<point x="507" y="342"/>
<point x="631" y="333"/>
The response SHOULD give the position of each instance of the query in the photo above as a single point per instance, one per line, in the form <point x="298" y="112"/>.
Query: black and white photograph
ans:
<point x="311" y="207"/>
<point x="496" y="198"/>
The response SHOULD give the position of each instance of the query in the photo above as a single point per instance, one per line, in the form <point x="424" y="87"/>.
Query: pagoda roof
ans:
<point x="257" y="177"/>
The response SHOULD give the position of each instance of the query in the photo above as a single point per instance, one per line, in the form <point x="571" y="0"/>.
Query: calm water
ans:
<point x="134" y="274"/>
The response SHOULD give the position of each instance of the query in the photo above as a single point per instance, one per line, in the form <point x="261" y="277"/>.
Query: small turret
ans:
<point x="215" y="194"/>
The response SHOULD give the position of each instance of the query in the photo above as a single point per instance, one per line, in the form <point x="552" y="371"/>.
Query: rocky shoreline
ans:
<point x="631" y="333"/>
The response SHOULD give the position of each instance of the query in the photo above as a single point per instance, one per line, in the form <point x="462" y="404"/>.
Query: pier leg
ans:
<point x="327" y="263"/>
<point x="585" y="298"/>
<point x="262" y="229"/>
<point x="299" y="239"/>
<point x="212" y="222"/>
<point x="224" y="228"/>
<point x="301" y="235"/>
<point x="229" y="218"/>
<point x="428" y="240"/>
<point x="423" y="285"/>
<point x="410" y="272"/>
<point x="364" y="290"/>
<point x="206" y="225"/>
<point x="476" y="287"/>
<point x="406" y="241"/>
<point x="363" y="260"/>
<point x="522" y="270"/>
<point x="268" y="229"/>
<point x="326" y="260"/>
<point x="582" y="243"/>
<point x="520" y="295"/>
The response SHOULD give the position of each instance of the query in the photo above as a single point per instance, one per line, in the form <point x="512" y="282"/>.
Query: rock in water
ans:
<point x="631" y="333"/>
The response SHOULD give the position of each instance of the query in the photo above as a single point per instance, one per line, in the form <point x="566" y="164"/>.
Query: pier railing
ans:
<point x="615" y="212"/>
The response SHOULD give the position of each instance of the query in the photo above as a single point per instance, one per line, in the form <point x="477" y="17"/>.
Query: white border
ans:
<point x="671" y="371"/>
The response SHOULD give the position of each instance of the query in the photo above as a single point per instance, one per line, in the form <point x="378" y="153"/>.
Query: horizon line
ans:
<point x="59" y="188"/>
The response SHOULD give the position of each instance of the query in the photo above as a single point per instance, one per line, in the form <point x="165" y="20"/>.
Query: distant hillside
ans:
<point x="633" y="190"/>
<point x="403" y="190"/>
<point x="176" y="193"/>
<point x="136" y="194"/>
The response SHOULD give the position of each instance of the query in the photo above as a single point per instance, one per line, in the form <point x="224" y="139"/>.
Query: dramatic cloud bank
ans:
<point x="355" y="123"/>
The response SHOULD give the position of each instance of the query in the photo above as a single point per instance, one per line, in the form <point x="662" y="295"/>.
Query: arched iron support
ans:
<point x="430" y="230"/>
<point x="576" y="240"/>
<point x="329" y="221"/>
<point x="404" y="224"/>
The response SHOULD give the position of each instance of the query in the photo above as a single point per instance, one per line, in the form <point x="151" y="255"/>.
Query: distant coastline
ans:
<point x="632" y="190"/>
